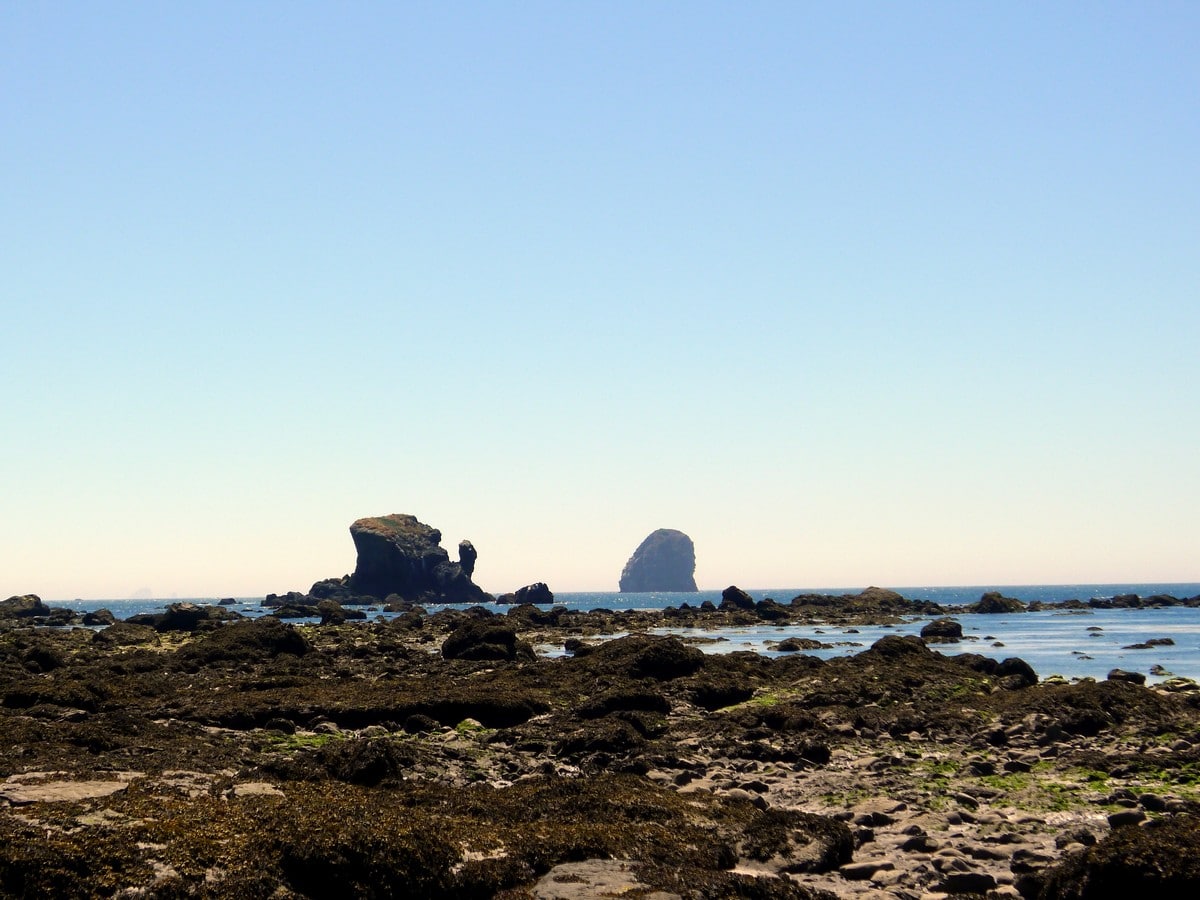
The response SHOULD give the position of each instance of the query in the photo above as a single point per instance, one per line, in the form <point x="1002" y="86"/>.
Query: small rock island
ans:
<point x="403" y="557"/>
<point x="664" y="561"/>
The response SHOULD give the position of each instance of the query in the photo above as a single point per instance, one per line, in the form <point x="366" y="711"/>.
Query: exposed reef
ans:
<point x="547" y="753"/>
<point x="664" y="561"/>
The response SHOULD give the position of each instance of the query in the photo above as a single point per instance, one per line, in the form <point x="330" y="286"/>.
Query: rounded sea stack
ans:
<point x="664" y="561"/>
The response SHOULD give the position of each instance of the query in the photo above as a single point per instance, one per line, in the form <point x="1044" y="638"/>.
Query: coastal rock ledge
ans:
<point x="664" y="561"/>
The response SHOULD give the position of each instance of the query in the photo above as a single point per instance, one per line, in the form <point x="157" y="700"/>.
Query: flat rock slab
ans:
<point x="594" y="878"/>
<point x="256" y="789"/>
<point x="59" y="791"/>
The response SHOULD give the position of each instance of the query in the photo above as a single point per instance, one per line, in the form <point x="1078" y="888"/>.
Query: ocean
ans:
<point x="1071" y="643"/>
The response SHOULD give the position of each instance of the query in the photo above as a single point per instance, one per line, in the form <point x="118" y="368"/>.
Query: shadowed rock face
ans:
<point x="665" y="561"/>
<point x="399" y="555"/>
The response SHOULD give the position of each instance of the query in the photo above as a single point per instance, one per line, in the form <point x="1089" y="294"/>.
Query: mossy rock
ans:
<point x="1160" y="859"/>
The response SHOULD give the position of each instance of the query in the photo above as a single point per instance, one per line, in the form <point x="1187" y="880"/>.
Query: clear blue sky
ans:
<point x="891" y="293"/>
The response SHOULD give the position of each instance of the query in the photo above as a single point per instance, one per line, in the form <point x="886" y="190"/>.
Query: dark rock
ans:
<point x="99" y="617"/>
<point x="535" y="593"/>
<point x="644" y="656"/>
<point x="798" y="842"/>
<point x="942" y="631"/>
<point x="1150" y="644"/>
<point x="25" y="606"/>
<point x="42" y="656"/>
<point x="633" y="698"/>
<point x="326" y="589"/>
<point x="399" y="555"/>
<point x="366" y="762"/>
<point x="713" y="694"/>
<point x="771" y="611"/>
<point x="1016" y="673"/>
<point x="331" y="612"/>
<point x="664" y="561"/>
<point x="59" y="616"/>
<point x="795" y="644"/>
<point x="576" y="647"/>
<point x="227" y="601"/>
<point x="968" y="883"/>
<point x="994" y="602"/>
<point x="467" y="554"/>
<point x="296" y="611"/>
<point x="193" y="617"/>
<point x="894" y="646"/>
<point x="419" y="723"/>
<point x="485" y="640"/>
<point x="1161" y="859"/>
<point x="733" y="597"/>
<point x="291" y="598"/>
<point x="245" y="640"/>
<point x="1130" y="677"/>
<point x="607" y="735"/>
<point x="125" y="634"/>
<point x="1125" y="817"/>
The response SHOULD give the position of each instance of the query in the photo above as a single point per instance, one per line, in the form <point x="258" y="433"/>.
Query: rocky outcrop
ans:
<point x="664" y="561"/>
<point x="467" y="554"/>
<point x="23" y="606"/>
<point x="485" y="640"/>
<point x="538" y="592"/>
<point x="993" y="602"/>
<point x="943" y="631"/>
<point x="733" y="597"/>
<point x="399" y="555"/>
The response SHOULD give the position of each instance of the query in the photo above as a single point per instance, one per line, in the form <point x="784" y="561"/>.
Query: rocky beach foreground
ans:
<point x="199" y="754"/>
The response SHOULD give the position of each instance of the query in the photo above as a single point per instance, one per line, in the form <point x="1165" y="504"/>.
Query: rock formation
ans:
<point x="664" y="561"/>
<point x="467" y="556"/>
<point x="399" y="555"/>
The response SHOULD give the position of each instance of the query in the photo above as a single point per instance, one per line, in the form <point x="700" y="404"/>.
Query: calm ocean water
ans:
<point x="1076" y="644"/>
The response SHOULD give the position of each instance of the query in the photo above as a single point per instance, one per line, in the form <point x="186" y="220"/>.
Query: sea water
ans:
<point x="1072" y="643"/>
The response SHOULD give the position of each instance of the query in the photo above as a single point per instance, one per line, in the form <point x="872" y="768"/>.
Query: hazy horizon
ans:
<point x="893" y="294"/>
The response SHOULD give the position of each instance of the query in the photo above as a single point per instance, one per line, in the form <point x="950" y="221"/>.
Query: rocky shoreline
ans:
<point x="203" y="754"/>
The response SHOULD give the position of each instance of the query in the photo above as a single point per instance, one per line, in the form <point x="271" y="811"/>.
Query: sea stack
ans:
<point x="399" y="555"/>
<point x="664" y="561"/>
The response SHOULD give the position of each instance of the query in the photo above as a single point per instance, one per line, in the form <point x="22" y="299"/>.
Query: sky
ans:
<point x="855" y="293"/>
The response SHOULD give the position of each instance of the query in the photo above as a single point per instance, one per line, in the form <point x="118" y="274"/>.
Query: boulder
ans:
<point x="399" y="555"/>
<point x="664" y="561"/>
<point x="942" y="631"/>
<point x="733" y="597"/>
<point x="1127" y="676"/>
<point x="1014" y="673"/>
<point x="99" y="617"/>
<point x="245" y="640"/>
<point x="485" y="639"/>
<point x="537" y="592"/>
<point x="294" y="598"/>
<point x="1160" y="859"/>
<point x="193" y="617"/>
<point x="643" y="656"/>
<point x="796" y="644"/>
<point x="125" y="634"/>
<point x="332" y="612"/>
<point x="994" y="603"/>
<point x="25" y="606"/>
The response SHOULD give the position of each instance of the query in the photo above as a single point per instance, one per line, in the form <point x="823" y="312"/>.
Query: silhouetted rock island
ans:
<point x="399" y="559"/>
<point x="664" y="561"/>
<point x="399" y="555"/>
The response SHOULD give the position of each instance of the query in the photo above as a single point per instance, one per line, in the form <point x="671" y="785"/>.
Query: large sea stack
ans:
<point x="664" y="561"/>
<point x="399" y="555"/>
